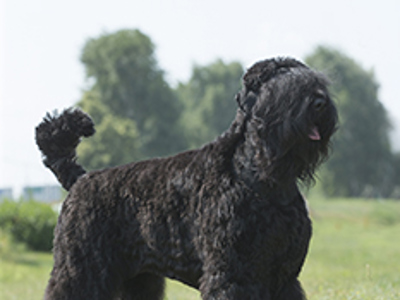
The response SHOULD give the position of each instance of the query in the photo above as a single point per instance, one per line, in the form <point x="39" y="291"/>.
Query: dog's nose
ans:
<point x="319" y="104"/>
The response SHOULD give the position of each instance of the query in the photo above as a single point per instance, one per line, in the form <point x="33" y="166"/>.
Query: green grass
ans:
<point x="23" y="275"/>
<point x="354" y="254"/>
<point x="355" y="251"/>
<point x="178" y="291"/>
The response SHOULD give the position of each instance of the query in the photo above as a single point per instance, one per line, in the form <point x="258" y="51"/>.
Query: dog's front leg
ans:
<point x="218" y="287"/>
<point x="292" y="291"/>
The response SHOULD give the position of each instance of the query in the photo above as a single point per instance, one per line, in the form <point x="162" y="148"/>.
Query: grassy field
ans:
<point x="354" y="254"/>
<point x="355" y="251"/>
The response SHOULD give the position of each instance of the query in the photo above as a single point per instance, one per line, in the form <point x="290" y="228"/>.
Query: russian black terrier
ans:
<point x="227" y="219"/>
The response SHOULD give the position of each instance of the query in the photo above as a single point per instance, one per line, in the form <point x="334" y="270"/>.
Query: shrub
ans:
<point x="29" y="222"/>
<point x="5" y="243"/>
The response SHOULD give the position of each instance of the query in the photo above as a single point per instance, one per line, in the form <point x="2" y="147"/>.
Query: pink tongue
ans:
<point x="314" y="135"/>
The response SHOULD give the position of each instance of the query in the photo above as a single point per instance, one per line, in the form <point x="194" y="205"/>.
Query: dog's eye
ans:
<point x="319" y="104"/>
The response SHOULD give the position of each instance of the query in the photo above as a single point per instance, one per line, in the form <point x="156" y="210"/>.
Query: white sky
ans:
<point x="41" y="41"/>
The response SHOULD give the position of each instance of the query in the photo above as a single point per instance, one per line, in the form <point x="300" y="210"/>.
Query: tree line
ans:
<point x="139" y="115"/>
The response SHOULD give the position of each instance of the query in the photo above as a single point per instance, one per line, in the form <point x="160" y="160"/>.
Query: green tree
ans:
<point x="208" y="99"/>
<point x="116" y="140"/>
<point x="134" y="108"/>
<point x="361" y="164"/>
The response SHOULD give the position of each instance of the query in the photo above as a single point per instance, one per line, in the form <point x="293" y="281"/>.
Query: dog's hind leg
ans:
<point x="80" y="275"/>
<point x="145" y="286"/>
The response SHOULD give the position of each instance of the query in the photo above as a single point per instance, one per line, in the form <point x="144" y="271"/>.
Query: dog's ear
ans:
<point x="246" y="101"/>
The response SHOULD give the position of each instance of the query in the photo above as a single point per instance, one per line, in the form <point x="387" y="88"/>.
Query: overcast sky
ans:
<point x="41" y="41"/>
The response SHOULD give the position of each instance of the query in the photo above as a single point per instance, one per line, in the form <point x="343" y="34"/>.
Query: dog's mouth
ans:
<point x="314" y="134"/>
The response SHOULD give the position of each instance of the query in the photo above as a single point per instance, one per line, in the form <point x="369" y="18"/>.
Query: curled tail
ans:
<point x="57" y="138"/>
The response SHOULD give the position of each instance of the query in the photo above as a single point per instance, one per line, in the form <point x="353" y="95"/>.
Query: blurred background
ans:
<point x="159" y="77"/>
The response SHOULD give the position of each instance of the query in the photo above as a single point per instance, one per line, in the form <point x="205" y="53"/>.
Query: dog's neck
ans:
<point x="256" y="166"/>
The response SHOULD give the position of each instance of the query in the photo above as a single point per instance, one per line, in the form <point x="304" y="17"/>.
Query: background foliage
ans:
<point x="28" y="222"/>
<point x="135" y="110"/>
<point x="362" y="163"/>
<point x="208" y="100"/>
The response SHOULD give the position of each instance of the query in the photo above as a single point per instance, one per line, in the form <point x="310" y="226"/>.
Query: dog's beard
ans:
<point x="295" y="148"/>
<point x="313" y="146"/>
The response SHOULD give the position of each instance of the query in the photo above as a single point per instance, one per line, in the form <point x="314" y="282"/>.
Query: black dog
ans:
<point x="227" y="219"/>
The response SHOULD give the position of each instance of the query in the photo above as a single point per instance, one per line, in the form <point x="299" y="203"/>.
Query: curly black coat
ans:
<point x="227" y="219"/>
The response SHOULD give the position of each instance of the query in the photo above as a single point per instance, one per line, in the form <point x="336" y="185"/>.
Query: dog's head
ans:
<point x="288" y="107"/>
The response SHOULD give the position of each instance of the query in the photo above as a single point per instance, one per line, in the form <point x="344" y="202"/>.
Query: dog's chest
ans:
<point x="276" y="240"/>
